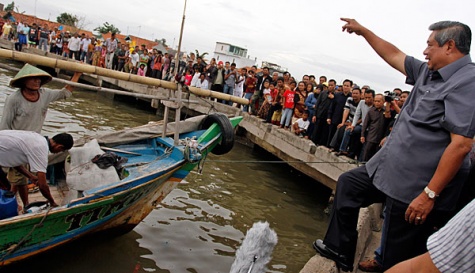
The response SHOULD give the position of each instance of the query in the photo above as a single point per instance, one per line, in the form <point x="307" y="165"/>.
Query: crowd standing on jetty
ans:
<point x="416" y="144"/>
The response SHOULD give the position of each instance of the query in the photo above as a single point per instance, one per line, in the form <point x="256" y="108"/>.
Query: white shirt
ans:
<point x="74" y="44"/>
<point x="85" y="43"/>
<point x="23" y="147"/>
<point x="202" y="85"/>
<point x="303" y="124"/>
<point x="195" y="79"/>
<point x="134" y="58"/>
<point x="239" y="87"/>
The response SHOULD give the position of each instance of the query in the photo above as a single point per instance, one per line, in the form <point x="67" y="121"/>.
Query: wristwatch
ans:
<point x="430" y="193"/>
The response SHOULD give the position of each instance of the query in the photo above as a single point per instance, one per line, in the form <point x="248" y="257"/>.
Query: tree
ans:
<point x="202" y="56"/>
<point x="10" y="7"/>
<point x="67" y="19"/>
<point x="106" y="28"/>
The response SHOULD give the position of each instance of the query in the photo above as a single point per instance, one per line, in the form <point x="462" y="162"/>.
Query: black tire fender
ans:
<point x="227" y="132"/>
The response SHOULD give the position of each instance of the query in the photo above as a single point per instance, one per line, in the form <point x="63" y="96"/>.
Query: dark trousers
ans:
<point x="331" y="132"/>
<point x="320" y="132"/>
<point x="355" y="190"/>
<point x="370" y="149"/>
<point x="272" y="109"/>
<point x="217" y="88"/>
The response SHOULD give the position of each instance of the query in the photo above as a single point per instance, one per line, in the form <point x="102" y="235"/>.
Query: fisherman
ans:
<point x="26" y="110"/>
<point x="18" y="148"/>
<point x="421" y="169"/>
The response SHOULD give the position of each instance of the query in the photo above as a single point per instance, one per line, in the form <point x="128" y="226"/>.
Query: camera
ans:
<point x="389" y="96"/>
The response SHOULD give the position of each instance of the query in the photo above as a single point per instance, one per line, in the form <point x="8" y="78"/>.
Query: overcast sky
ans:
<point x="302" y="35"/>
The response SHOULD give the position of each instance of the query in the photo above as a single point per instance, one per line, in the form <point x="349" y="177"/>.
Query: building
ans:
<point x="274" y="67"/>
<point x="234" y="54"/>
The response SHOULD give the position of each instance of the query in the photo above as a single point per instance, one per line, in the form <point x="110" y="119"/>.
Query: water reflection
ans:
<point x="198" y="227"/>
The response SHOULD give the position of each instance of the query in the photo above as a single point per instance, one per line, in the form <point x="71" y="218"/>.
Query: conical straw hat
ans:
<point x="30" y="71"/>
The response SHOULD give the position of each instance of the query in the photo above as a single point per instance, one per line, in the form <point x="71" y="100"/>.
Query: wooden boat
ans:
<point x="155" y="166"/>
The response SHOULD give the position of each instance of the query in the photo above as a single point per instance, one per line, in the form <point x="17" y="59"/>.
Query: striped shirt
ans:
<point x="452" y="247"/>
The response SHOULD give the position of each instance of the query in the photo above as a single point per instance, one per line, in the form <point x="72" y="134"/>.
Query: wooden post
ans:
<point x="165" y="121"/>
<point x="176" y="137"/>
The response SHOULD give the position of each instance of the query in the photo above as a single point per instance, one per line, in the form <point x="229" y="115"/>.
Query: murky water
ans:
<point x="199" y="226"/>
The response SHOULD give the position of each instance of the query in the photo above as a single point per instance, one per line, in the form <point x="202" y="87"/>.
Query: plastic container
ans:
<point x="8" y="205"/>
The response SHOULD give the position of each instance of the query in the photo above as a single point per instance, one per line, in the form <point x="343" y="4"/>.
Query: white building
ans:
<point x="234" y="54"/>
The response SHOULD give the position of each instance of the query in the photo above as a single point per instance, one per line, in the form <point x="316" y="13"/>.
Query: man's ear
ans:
<point x="451" y="46"/>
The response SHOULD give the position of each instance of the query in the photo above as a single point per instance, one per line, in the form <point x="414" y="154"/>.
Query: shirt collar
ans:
<point x="447" y="71"/>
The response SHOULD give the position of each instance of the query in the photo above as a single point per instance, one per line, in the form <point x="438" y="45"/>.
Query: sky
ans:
<point x="302" y="35"/>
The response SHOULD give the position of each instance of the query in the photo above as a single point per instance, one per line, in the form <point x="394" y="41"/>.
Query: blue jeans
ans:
<point x="347" y="136"/>
<point x="286" y="117"/>
<point x="247" y="96"/>
<point x="378" y="253"/>
<point x="228" y="90"/>
<point x="43" y="44"/>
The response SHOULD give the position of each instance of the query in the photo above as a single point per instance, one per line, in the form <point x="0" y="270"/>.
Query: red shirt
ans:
<point x="274" y="94"/>
<point x="188" y="79"/>
<point x="250" y="85"/>
<point x="289" y="99"/>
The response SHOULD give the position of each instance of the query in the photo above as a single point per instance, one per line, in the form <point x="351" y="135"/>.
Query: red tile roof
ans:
<point x="29" y="19"/>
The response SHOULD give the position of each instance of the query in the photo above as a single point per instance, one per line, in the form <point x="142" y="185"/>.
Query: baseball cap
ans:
<point x="220" y="62"/>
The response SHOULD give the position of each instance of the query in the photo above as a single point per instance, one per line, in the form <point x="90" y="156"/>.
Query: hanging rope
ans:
<point x="14" y="247"/>
<point x="286" y="162"/>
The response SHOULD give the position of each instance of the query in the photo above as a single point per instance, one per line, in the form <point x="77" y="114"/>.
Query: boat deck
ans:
<point x="58" y="192"/>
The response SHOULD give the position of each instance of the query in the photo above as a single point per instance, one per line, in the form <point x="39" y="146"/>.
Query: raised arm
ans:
<point x="75" y="78"/>
<point x="390" y="53"/>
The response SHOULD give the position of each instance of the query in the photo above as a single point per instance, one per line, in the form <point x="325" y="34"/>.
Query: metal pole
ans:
<point x="177" y="61"/>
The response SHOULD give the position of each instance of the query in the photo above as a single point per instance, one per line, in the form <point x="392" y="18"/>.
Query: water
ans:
<point x="199" y="226"/>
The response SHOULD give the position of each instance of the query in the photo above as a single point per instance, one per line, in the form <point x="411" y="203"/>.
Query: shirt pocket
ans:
<point x="430" y="106"/>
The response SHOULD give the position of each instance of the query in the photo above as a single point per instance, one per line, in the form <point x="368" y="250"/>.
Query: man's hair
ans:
<point x="325" y="77"/>
<point x="370" y="91"/>
<point x="280" y="79"/>
<point x="356" y="88"/>
<point x="452" y="30"/>
<point x="233" y="64"/>
<point x="350" y="81"/>
<point x="332" y="80"/>
<point x="406" y="92"/>
<point x="265" y="67"/>
<point x="64" y="139"/>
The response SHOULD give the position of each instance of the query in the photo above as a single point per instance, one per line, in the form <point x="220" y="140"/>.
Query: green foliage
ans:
<point x="106" y="28"/>
<point x="10" y="7"/>
<point x="202" y="56"/>
<point x="67" y="19"/>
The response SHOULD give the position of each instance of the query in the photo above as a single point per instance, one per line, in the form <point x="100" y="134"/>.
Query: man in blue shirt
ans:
<point x="421" y="169"/>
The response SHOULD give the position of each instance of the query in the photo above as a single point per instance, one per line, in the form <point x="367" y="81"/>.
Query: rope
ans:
<point x="286" y="162"/>
<point x="15" y="247"/>
<point x="202" y="162"/>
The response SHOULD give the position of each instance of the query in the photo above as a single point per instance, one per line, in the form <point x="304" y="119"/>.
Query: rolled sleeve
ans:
<point x="413" y="69"/>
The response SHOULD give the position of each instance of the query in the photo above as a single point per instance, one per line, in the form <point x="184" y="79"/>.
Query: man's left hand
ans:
<point x="419" y="209"/>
